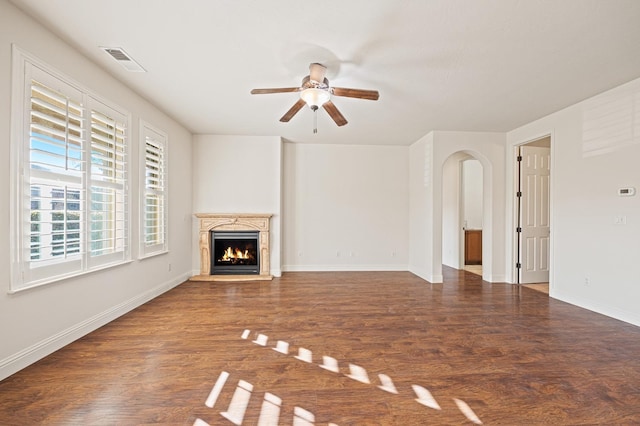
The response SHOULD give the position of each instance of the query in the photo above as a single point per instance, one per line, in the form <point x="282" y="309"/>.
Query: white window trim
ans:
<point x="19" y="132"/>
<point x="159" y="137"/>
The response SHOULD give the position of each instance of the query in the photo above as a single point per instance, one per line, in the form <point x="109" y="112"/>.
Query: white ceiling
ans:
<point x="468" y="65"/>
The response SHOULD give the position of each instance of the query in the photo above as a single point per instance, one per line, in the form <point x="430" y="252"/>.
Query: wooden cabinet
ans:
<point x="473" y="247"/>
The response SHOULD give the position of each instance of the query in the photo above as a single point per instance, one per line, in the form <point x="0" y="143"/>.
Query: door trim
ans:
<point x="514" y="255"/>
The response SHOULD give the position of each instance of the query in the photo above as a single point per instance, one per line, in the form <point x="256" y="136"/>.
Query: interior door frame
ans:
<point x="515" y="206"/>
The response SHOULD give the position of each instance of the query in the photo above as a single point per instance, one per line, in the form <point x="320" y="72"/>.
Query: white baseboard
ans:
<point x="33" y="353"/>
<point x="343" y="268"/>
<point x="431" y="278"/>
<point x="632" y="318"/>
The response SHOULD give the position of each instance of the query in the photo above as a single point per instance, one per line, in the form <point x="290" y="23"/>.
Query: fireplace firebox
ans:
<point x="235" y="253"/>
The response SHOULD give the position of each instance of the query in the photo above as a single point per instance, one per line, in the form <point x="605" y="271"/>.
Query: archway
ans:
<point x="455" y="223"/>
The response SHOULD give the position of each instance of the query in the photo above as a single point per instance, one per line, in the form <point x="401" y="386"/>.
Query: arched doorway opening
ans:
<point x="465" y="203"/>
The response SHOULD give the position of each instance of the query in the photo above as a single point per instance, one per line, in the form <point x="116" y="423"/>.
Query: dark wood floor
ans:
<point x="461" y="352"/>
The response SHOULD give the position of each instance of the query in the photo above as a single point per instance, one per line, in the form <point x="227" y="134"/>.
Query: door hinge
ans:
<point x="519" y="194"/>
<point x="518" y="229"/>
<point x="519" y="158"/>
<point x="518" y="265"/>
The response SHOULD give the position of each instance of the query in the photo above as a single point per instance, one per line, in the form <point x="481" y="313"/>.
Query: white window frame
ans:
<point x="153" y="243"/>
<point x="28" y="270"/>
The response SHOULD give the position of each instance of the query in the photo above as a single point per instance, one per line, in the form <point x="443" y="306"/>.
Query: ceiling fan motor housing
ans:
<point x="307" y="83"/>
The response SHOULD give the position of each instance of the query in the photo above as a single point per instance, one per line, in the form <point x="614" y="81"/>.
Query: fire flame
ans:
<point x="238" y="254"/>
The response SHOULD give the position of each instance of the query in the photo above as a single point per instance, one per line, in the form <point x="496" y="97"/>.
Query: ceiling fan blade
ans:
<point x="334" y="113"/>
<point x="371" y="95"/>
<point x="274" y="90"/>
<point x="293" y="110"/>
<point x="317" y="72"/>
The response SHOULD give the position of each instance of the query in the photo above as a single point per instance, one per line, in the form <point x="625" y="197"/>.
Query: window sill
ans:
<point x="154" y="254"/>
<point x="59" y="278"/>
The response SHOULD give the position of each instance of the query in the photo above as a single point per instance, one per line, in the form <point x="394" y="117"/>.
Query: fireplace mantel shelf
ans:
<point x="233" y="222"/>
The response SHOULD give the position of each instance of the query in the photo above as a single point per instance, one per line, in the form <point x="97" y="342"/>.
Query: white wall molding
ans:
<point x="344" y="268"/>
<point x="599" y="307"/>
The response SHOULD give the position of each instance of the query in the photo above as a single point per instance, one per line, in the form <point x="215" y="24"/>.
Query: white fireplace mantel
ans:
<point x="233" y="222"/>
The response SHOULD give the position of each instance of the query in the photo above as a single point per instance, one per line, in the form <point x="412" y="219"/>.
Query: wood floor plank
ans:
<point x="479" y="352"/>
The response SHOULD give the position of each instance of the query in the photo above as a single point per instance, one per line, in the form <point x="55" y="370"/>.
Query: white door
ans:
<point x="534" y="214"/>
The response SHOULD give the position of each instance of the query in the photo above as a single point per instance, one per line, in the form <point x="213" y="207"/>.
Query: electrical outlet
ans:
<point x="169" y="267"/>
<point x="586" y="282"/>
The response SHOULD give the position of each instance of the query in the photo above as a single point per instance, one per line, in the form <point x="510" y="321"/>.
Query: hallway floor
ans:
<point x="477" y="269"/>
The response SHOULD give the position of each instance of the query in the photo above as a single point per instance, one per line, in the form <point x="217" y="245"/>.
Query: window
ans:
<point x="70" y="175"/>
<point x="108" y="203"/>
<point x="153" y="221"/>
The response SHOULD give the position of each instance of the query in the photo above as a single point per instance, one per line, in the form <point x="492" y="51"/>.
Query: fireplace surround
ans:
<point x="233" y="222"/>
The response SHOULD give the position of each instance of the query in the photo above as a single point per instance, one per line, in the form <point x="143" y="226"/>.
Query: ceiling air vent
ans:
<point x="123" y="59"/>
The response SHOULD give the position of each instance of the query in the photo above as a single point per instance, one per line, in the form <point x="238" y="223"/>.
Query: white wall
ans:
<point x="428" y="157"/>
<point x="472" y="193"/>
<point x="452" y="207"/>
<point x="421" y="209"/>
<point x="586" y="244"/>
<point x="345" y="207"/>
<point x="36" y="322"/>
<point x="238" y="174"/>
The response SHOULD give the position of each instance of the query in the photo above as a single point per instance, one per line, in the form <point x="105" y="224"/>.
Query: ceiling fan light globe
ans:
<point x="315" y="97"/>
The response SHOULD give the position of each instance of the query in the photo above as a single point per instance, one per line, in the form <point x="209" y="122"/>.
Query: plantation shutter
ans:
<point x="52" y="237"/>
<point x="154" y="215"/>
<point x="71" y="193"/>
<point x="108" y="233"/>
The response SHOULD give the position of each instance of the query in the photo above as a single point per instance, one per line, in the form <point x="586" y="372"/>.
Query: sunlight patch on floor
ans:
<point x="270" y="411"/>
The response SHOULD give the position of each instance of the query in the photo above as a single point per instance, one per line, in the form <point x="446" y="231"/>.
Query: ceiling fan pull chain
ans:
<point x="315" y="120"/>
